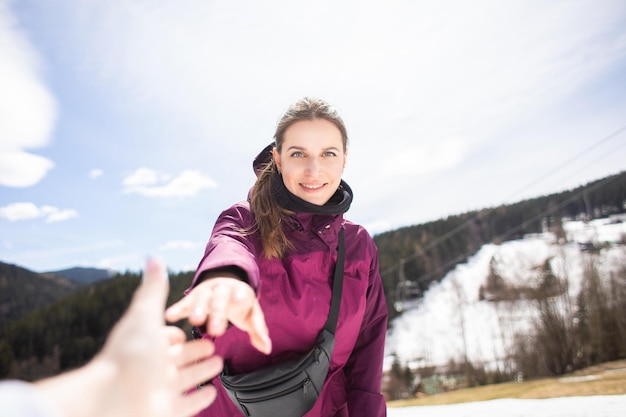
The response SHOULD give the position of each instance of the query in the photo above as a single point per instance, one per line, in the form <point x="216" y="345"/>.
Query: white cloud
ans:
<point x="27" y="211"/>
<point x="20" y="211"/>
<point x="95" y="173"/>
<point x="149" y="183"/>
<point x="141" y="177"/>
<point x="180" y="245"/>
<point x="61" y="215"/>
<point x="22" y="169"/>
<point x="117" y="263"/>
<point x="27" y="109"/>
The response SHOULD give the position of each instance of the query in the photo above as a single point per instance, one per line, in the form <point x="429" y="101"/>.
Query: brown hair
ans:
<point x="267" y="213"/>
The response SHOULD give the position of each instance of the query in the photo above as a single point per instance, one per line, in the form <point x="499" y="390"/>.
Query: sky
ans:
<point x="126" y="127"/>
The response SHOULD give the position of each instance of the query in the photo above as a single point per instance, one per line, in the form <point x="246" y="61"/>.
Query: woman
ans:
<point x="269" y="263"/>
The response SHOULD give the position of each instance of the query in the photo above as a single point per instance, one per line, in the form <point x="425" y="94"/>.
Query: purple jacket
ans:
<point x="295" y="295"/>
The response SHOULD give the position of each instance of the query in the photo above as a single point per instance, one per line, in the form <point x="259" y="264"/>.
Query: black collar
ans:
<point x="339" y="203"/>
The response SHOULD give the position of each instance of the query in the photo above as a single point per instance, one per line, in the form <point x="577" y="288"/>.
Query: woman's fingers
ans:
<point x="246" y="313"/>
<point x="217" y="302"/>
<point x="220" y="306"/>
<point x="194" y="306"/>
<point x="179" y="310"/>
<point x="200" y="307"/>
<point x="259" y="334"/>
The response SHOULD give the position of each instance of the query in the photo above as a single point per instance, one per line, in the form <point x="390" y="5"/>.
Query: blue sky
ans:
<point x="127" y="126"/>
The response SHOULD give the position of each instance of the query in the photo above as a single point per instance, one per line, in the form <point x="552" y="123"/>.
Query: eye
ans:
<point x="329" y="153"/>
<point x="297" y="154"/>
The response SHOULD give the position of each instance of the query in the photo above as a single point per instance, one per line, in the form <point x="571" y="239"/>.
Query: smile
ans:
<point x="312" y="187"/>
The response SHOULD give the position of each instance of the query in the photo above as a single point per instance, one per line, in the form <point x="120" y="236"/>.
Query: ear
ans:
<point x="276" y="157"/>
<point x="345" y="159"/>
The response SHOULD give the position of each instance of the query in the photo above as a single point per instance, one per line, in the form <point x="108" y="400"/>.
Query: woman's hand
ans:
<point x="217" y="301"/>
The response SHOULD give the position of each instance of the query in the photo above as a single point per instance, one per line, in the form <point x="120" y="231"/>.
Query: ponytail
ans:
<point x="268" y="214"/>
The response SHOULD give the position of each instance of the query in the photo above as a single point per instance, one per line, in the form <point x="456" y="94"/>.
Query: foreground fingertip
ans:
<point x="197" y="399"/>
<point x="209" y="391"/>
<point x="209" y="347"/>
<point x="174" y="333"/>
<point x="155" y="266"/>
<point x="172" y="314"/>
<point x="152" y="264"/>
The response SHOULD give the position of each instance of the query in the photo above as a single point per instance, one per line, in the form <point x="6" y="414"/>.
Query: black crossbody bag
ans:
<point x="290" y="389"/>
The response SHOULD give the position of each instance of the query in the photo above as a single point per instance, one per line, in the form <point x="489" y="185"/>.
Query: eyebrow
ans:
<point x="300" y="148"/>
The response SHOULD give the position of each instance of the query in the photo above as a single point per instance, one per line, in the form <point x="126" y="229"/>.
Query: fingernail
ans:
<point x="154" y="265"/>
<point x="240" y="294"/>
<point x="216" y="324"/>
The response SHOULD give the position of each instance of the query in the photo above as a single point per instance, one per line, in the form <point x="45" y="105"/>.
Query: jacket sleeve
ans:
<point x="364" y="368"/>
<point x="231" y="246"/>
<point x="21" y="399"/>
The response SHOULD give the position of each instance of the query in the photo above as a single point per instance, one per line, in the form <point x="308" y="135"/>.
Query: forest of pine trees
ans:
<point x="426" y="252"/>
<point x="72" y="323"/>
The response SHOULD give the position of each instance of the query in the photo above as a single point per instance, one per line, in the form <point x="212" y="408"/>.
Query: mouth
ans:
<point x="312" y="187"/>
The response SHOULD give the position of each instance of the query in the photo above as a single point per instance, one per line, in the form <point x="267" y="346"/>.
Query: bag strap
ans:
<point x="331" y="322"/>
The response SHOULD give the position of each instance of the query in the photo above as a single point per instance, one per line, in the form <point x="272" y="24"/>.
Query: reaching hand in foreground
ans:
<point x="219" y="300"/>
<point x="145" y="367"/>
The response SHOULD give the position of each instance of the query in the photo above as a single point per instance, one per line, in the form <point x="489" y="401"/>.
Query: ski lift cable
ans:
<point x="512" y="230"/>
<point x="610" y="152"/>
<point x="465" y="224"/>
<point x="569" y="161"/>
<point x="560" y="205"/>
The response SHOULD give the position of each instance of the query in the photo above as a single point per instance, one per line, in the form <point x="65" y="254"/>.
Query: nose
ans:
<point x="312" y="167"/>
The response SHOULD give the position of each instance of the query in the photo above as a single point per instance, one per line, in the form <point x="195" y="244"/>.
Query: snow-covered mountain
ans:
<point x="451" y="321"/>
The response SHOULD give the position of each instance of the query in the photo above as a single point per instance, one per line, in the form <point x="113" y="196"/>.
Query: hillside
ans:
<point x="416" y="256"/>
<point x="22" y="290"/>
<point x="64" y="334"/>
<point x="424" y="259"/>
<point x="83" y="275"/>
<point x="537" y="306"/>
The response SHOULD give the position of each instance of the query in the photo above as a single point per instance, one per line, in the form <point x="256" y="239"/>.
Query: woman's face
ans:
<point x="311" y="160"/>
